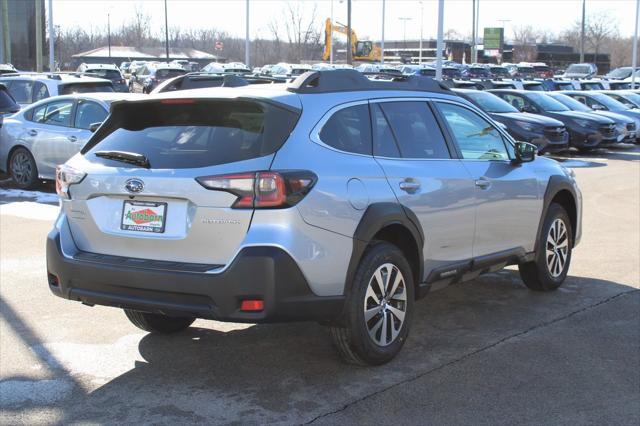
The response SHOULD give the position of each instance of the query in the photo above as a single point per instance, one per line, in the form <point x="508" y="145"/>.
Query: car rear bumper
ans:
<point x="257" y="273"/>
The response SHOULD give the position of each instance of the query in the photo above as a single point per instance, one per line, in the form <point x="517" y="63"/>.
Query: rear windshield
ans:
<point x="200" y="134"/>
<point x="68" y="89"/>
<point x="6" y="102"/>
<point x="105" y="73"/>
<point x="165" y="73"/>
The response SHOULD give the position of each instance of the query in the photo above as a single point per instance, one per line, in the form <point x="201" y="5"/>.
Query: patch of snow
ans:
<point x="37" y="196"/>
<point x="30" y="210"/>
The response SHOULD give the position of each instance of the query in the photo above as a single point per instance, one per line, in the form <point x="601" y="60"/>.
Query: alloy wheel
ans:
<point x="385" y="304"/>
<point x="557" y="248"/>
<point x="21" y="168"/>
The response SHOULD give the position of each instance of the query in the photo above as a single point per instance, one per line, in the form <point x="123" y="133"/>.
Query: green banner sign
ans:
<point x="493" y="38"/>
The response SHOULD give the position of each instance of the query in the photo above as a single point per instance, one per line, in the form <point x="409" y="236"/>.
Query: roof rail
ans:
<point x="347" y="80"/>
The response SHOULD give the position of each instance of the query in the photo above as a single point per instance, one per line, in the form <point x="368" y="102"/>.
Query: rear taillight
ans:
<point x="263" y="190"/>
<point x="65" y="177"/>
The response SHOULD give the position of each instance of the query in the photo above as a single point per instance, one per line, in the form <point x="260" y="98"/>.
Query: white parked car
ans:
<point x="29" y="88"/>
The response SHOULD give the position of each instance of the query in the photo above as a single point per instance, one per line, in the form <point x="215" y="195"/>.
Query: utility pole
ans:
<point x="246" y="36"/>
<point x="39" y="29"/>
<point x="52" y="62"/>
<point x="108" y="32"/>
<point x="349" y="45"/>
<point x="421" y="30"/>
<point x="473" y="32"/>
<point x="634" y="60"/>
<point x="331" y="36"/>
<point x="166" y="31"/>
<point x="6" y="34"/>
<point x="582" y="31"/>
<point x="382" y="40"/>
<point x="404" y="29"/>
<point x="440" y="43"/>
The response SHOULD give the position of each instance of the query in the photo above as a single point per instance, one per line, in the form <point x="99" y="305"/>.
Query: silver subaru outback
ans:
<point x="335" y="198"/>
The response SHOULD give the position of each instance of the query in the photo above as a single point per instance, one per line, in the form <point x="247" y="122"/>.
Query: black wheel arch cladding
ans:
<point x="377" y="217"/>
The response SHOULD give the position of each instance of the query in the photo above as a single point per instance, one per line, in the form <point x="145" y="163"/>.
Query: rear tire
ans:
<point x="551" y="265"/>
<point x="157" y="323"/>
<point x="23" y="169"/>
<point x="378" y="309"/>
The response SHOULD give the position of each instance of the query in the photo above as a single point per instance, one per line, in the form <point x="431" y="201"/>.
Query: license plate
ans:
<point x="143" y="216"/>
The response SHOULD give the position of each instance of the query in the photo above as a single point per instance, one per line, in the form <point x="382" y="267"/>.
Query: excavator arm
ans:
<point x="361" y="50"/>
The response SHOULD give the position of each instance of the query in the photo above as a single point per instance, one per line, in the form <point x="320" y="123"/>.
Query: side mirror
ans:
<point x="597" y="107"/>
<point x="528" y="108"/>
<point x="94" y="126"/>
<point x="525" y="152"/>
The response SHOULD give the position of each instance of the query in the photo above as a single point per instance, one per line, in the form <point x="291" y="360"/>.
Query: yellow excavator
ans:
<point x="361" y="50"/>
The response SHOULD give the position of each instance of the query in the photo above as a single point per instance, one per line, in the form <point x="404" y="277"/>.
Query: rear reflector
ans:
<point x="252" y="305"/>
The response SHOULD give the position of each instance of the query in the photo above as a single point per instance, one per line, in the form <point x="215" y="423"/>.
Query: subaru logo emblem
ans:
<point x="134" y="185"/>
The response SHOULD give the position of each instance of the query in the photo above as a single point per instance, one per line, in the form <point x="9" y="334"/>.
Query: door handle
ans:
<point x="483" y="183"/>
<point x="410" y="185"/>
<point x="33" y="132"/>
<point x="72" y="138"/>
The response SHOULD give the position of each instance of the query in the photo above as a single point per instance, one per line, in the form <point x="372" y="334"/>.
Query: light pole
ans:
<point x="349" y="38"/>
<point x="634" y="60"/>
<point x="246" y="35"/>
<point x="331" y="36"/>
<point x="582" y="31"/>
<point x="382" y="40"/>
<point x="440" y="43"/>
<point x="166" y="31"/>
<point x="404" y="24"/>
<point x="421" y="30"/>
<point x="51" y="39"/>
<point x="109" y="32"/>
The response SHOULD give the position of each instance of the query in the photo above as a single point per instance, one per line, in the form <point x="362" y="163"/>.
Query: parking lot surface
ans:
<point x="484" y="352"/>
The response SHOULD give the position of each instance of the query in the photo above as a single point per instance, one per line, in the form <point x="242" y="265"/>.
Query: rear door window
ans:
<point x="55" y="113"/>
<point x="193" y="134"/>
<point x="349" y="130"/>
<point x="40" y="91"/>
<point x="415" y="130"/>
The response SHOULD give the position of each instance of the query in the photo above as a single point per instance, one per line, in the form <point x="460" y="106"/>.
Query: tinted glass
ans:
<point x="179" y="136"/>
<point x="39" y="92"/>
<point x="428" y="72"/>
<point x="534" y="87"/>
<point x="475" y="136"/>
<point x="165" y="73"/>
<point x="606" y="101"/>
<point x="88" y="113"/>
<point x="489" y="102"/>
<point x="625" y="101"/>
<point x="349" y="130"/>
<point x="384" y="144"/>
<point x="6" y="102"/>
<point x="105" y="73"/>
<point x="68" y="89"/>
<point x="516" y="101"/>
<point x="21" y="91"/>
<point x="546" y="102"/>
<point x="571" y="103"/>
<point x="56" y="113"/>
<point x="415" y="130"/>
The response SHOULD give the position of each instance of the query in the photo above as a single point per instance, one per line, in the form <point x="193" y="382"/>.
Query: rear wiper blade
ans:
<point x="125" y="157"/>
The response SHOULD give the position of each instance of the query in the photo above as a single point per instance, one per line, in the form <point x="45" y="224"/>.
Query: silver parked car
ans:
<point x="40" y="137"/>
<point x="335" y="199"/>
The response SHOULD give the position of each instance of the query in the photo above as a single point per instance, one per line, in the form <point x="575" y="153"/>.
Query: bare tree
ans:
<point x="302" y="34"/>
<point x="598" y="29"/>
<point x="524" y="39"/>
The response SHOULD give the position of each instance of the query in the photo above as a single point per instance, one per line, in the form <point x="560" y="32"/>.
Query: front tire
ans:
<point x="378" y="309"/>
<point x="549" y="270"/>
<point x="23" y="169"/>
<point x="157" y="323"/>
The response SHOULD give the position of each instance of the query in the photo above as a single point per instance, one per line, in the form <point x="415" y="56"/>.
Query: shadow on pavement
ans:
<point x="289" y="373"/>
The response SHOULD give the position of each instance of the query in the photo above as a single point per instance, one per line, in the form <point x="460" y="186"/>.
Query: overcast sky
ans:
<point x="228" y="15"/>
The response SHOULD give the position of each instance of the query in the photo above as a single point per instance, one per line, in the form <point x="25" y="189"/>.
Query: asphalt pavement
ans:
<point x="484" y="352"/>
